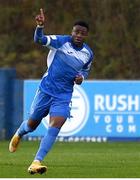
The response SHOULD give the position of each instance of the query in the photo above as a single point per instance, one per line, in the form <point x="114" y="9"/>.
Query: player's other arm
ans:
<point x="87" y="66"/>
<point x="39" y="36"/>
<point x="84" y="72"/>
<point x="86" y="69"/>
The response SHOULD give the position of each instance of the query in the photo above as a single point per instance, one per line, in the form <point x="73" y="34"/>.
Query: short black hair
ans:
<point x="81" y="23"/>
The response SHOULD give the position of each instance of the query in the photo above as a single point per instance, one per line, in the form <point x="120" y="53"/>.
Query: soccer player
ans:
<point x="68" y="62"/>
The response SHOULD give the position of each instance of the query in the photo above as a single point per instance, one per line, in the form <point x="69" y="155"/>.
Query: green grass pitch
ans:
<point x="74" y="160"/>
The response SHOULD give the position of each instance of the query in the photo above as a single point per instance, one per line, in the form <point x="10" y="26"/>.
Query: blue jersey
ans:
<point x="65" y="61"/>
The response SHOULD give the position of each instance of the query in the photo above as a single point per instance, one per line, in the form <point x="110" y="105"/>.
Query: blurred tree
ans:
<point x="114" y="35"/>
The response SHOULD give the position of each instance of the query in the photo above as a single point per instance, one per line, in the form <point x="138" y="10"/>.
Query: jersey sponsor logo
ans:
<point x="79" y="113"/>
<point x="69" y="52"/>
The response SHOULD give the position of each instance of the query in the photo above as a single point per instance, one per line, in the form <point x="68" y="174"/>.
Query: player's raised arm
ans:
<point x="40" y="18"/>
<point x="39" y="35"/>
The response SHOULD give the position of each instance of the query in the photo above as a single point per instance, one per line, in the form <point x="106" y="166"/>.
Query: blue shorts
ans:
<point x="44" y="104"/>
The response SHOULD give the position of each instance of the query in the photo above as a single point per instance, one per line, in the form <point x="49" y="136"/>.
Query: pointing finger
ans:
<point x="41" y="12"/>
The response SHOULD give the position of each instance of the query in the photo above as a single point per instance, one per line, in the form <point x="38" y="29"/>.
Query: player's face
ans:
<point x="79" y="33"/>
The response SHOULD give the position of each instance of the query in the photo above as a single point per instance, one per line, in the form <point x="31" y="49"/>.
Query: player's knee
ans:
<point x="57" y="121"/>
<point x="33" y="124"/>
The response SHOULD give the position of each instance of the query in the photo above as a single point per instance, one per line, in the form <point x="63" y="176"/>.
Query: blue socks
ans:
<point x="46" y="143"/>
<point x="23" y="129"/>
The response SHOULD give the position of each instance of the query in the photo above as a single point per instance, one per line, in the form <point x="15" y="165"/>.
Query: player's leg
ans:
<point x="50" y="137"/>
<point x="58" y="115"/>
<point x="46" y="145"/>
<point x="59" y="111"/>
<point x="39" y="108"/>
<point x="25" y="127"/>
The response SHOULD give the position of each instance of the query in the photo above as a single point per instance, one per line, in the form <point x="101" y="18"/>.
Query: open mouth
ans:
<point x="78" y="40"/>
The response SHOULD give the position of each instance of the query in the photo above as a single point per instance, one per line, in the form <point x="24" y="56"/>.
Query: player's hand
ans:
<point x="79" y="79"/>
<point x="40" y="18"/>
